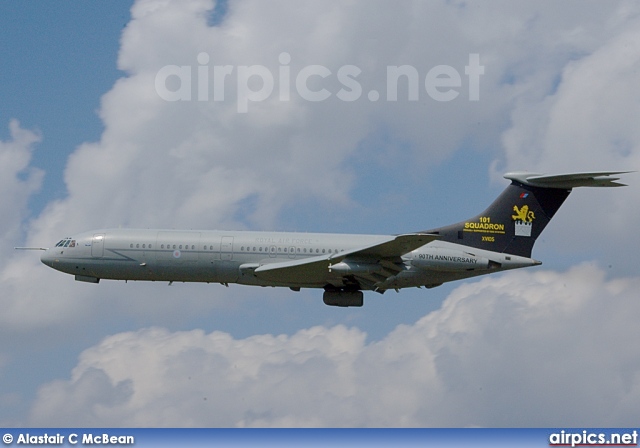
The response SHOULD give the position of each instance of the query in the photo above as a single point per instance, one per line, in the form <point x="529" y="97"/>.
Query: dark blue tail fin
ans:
<point x="513" y="222"/>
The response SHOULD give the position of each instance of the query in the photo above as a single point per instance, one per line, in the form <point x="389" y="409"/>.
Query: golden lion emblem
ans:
<point x="523" y="214"/>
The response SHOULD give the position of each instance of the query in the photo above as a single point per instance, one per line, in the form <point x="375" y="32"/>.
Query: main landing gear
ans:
<point x="339" y="297"/>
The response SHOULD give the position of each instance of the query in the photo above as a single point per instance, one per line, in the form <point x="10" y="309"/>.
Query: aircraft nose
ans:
<point x="47" y="258"/>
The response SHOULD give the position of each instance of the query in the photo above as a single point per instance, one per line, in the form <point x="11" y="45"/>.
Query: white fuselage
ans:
<point x="232" y="257"/>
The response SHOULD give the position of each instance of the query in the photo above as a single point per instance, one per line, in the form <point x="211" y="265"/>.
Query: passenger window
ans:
<point x="137" y="246"/>
<point x="144" y="246"/>
<point x="131" y="245"/>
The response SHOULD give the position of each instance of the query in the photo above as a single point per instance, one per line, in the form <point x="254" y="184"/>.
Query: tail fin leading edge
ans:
<point x="513" y="222"/>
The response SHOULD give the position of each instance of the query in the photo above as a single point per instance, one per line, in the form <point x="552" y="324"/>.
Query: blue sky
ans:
<point x="54" y="49"/>
<point x="96" y="147"/>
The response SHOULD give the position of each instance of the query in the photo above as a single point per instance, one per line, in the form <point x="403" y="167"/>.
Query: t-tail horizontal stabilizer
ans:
<point x="568" y="181"/>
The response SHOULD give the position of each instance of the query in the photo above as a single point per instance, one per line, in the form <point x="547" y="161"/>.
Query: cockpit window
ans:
<point x="67" y="242"/>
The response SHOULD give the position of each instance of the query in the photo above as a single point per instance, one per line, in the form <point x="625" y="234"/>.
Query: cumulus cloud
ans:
<point x="18" y="180"/>
<point x="587" y="121"/>
<point x="524" y="349"/>
<point x="195" y="163"/>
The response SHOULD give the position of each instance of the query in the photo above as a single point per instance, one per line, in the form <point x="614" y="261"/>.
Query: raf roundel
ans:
<point x="176" y="254"/>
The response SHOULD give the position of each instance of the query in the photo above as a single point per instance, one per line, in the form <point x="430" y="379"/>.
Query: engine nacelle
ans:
<point x="448" y="260"/>
<point x="343" y="298"/>
<point x="355" y="267"/>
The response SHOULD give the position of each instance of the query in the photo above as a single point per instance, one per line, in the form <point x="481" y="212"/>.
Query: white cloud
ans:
<point x="18" y="180"/>
<point x="523" y="349"/>
<point x="589" y="123"/>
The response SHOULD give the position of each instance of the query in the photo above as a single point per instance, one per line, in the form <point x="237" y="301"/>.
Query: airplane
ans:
<point x="344" y="265"/>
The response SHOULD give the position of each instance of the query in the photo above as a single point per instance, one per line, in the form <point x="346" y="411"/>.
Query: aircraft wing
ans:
<point x="317" y="267"/>
<point x="395" y="246"/>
